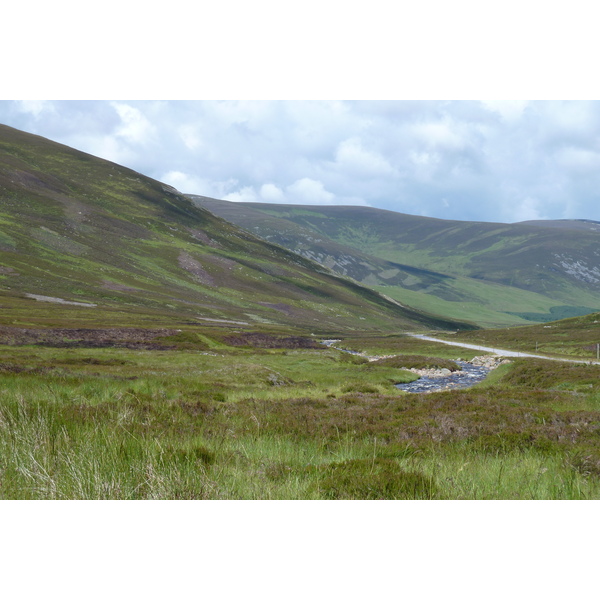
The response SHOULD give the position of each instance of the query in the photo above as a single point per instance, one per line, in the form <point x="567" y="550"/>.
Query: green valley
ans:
<point x="489" y="273"/>
<point x="150" y="349"/>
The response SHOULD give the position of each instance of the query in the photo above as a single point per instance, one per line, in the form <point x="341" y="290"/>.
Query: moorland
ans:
<point x="152" y="350"/>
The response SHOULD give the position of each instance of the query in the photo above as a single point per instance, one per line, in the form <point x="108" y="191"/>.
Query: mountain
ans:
<point x="86" y="234"/>
<point x="495" y="274"/>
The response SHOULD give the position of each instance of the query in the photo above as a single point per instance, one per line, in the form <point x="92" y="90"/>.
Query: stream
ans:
<point x="469" y="376"/>
<point x="435" y="380"/>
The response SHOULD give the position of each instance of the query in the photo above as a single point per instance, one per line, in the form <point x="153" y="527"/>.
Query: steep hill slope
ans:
<point x="496" y="274"/>
<point x="86" y="233"/>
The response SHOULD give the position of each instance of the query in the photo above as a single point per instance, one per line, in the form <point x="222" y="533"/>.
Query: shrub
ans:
<point x="361" y="388"/>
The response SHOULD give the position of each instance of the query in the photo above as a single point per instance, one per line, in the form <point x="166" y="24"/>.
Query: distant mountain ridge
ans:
<point x="496" y="273"/>
<point x="86" y="232"/>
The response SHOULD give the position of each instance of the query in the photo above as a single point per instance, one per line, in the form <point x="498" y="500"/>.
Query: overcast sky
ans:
<point x="503" y="161"/>
<point x="490" y="161"/>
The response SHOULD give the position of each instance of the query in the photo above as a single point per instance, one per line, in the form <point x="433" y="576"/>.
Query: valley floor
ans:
<point x="201" y="414"/>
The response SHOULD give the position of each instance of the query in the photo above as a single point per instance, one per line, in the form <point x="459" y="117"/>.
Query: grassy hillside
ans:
<point x="494" y="274"/>
<point x="86" y="234"/>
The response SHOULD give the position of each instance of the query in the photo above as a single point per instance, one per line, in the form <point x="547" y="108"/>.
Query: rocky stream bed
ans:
<point x="437" y="380"/>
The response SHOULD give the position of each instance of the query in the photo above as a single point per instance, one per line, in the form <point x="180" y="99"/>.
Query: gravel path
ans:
<point x="498" y="351"/>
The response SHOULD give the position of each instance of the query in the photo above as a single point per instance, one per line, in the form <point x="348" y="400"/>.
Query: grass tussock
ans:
<point x="372" y="479"/>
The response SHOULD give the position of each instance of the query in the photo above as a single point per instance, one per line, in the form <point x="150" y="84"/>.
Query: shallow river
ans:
<point x="470" y="375"/>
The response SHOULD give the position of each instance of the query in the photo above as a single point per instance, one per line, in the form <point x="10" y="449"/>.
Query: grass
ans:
<point x="215" y="421"/>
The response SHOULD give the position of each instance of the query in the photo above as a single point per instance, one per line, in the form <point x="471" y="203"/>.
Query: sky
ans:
<point x="500" y="161"/>
<point x="422" y="109"/>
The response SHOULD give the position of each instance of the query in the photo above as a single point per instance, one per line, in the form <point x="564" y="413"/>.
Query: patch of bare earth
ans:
<point x="201" y="236"/>
<point x="191" y="265"/>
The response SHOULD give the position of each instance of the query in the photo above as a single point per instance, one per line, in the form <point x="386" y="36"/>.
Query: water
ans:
<point x="469" y="376"/>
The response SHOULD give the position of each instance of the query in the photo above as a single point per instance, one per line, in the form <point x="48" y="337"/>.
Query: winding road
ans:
<point x="498" y="351"/>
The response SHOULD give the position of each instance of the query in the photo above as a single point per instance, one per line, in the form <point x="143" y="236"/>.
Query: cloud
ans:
<point x="509" y="110"/>
<point x="189" y="136"/>
<point x="245" y="194"/>
<point x="308" y="191"/>
<point x="351" y="156"/>
<point x="192" y="184"/>
<point x="527" y="209"/>
<point x="269" y="192"/>
<point x="135" y="128"/>
<point x="441" y="133"/>
<point x="33" y="107"/>
<point x="487" y="161"/>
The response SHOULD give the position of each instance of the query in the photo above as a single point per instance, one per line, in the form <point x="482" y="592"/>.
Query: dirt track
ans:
<point x="497" y="351"/>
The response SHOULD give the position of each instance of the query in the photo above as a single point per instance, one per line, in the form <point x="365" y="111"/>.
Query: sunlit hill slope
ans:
<point x="75" y="228"/>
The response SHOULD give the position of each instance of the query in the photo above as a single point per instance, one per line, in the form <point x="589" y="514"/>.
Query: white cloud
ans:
<point x="111" y="148"/>
<point x="527" y="209"/>
<point x="308" y="191"/>
<point x="134" y="127"/>
<point x="404" y="156"/>
<point x="192" y="184"/>
<point x="245" y="194"/>
<point x="33" y="107"/>
<point x="187" y="184"/>
<point x="352" y="156"/>
<point x="510" y="110"/>
<point x="190" y="137"/>
<point x="438" y="133"/>
<point x="269" y="192"/>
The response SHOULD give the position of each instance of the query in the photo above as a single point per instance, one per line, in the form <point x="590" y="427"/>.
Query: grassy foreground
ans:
<point x="211" y="416"/>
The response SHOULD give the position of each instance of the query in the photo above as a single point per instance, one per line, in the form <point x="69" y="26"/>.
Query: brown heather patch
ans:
<point x="125" y="337"/>
<point x="263" y="340"/>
